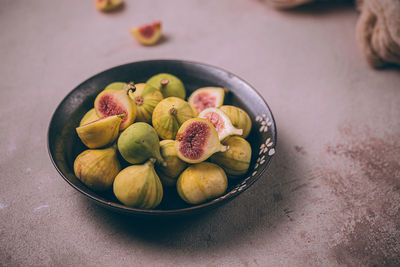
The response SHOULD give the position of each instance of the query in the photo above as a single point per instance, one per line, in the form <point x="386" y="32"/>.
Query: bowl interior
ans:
<point x="64" y="144"/>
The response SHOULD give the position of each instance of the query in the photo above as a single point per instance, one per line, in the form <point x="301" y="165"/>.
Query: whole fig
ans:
<point x="169" y="174"/>
<point x="138" y="143"/>
<point x="236" y="160"/>
<point x="146" y="98"/>
<point x="169" y="115"/>
<point x="97" y="168"/>
<point x="138" y="186"/>
<point x="168" y="84"/>
<point x="201" y="182"/>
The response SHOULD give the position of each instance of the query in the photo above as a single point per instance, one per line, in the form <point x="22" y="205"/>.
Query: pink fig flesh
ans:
<point x="109" y="107"/>
<point x="215" y="120"/>
<point x="193" y="140"/>
<point x="204" y="100"/>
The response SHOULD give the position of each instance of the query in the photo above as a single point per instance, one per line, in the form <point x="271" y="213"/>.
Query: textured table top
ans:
<point x="332" y="193"/>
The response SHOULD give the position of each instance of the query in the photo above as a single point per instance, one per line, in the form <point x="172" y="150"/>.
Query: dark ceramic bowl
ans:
<point x="64" y="144"/>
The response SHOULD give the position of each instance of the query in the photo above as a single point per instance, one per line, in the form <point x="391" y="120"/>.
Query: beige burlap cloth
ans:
<point x="377" y="30"/>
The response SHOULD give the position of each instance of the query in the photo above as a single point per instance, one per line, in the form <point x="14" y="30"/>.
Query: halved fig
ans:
<point x="108" y="5"/>
<point x="147" y="34"/>
<point x="197" y="140"/>
<point x="207" y="97"/>
<point x="221" y="122"/>
<point x="113" y="102"/>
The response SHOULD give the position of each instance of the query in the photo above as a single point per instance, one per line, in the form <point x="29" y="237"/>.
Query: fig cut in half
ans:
<point x="147" y="34"/>
<point x="197" y="140"/>
<point x="207" y="97"/>
<point x="113" y="102"/>
<point x="221" y="122"/>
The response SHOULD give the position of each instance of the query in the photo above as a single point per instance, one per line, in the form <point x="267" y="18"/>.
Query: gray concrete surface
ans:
<point x="332" y="193"/>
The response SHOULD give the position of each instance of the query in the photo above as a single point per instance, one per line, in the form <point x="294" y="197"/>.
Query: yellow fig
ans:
<point x="169" y="115"/>
<point x="97" y="168"/>
<point x="147" y="34"/>
<point x="201" y="182"/>
<point x="101" y="132"/>
<point x="138" y="186"/>
<point x="239" y="118"/>
<point x="146" y="98"/>
<point x="170" y="172"/>
<point x="236" y="160"/>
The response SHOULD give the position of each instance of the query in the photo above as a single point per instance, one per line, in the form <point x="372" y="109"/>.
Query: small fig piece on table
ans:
<point x="239" y="118"/>
<point x="221" y="122"/>
<point x="201" y="182"/>
<point x="146" y="98"/>
<point x="101" y="132"/>
<point x="138" y="143"/>
<point x="108" y="5"/>
<point x="89" y="116"/>
<point x="169" y="115"/>
<point x="113" y="102"/>
<point x="97" y="168"/>
<point x="207" y="97"/>
<point x="236" y="160"/>
<point x="138" y="186"/>
<point x="147" y="34"/>
<point x="169" y="173"/>
<point x="168" y="84"/>
<point x="197" y="140"/>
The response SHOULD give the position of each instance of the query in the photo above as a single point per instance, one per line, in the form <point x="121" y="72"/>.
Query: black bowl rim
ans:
<point x="199" y="207"/>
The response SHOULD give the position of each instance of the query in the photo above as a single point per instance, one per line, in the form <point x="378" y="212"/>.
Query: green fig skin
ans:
<point x="236" y="160"/>
<point x="115" y="86"/>
<point x="168" y="84"/>
<point x="138" y="143"/>
<point x="139" y="186"/>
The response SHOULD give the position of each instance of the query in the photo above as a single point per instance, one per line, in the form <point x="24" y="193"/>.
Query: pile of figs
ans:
<point x="203" y="143"/>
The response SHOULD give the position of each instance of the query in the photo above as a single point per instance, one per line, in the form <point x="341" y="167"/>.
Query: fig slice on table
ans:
<point x="197" y="140"/>
<point x="147" y="34"/>
<point x="207" y="97"/>
<point x="113" y="102"/>
<point x="108" y="5"/>
<point x="221" y="122"/>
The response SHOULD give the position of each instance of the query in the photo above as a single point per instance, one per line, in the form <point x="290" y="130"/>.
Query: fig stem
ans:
<point x="130" y="87"/>
<point x="164" y="83"/>
<point x="121" y="115"/>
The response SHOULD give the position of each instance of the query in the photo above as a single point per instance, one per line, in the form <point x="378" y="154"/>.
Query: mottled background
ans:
<point x="332" y="193"/>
